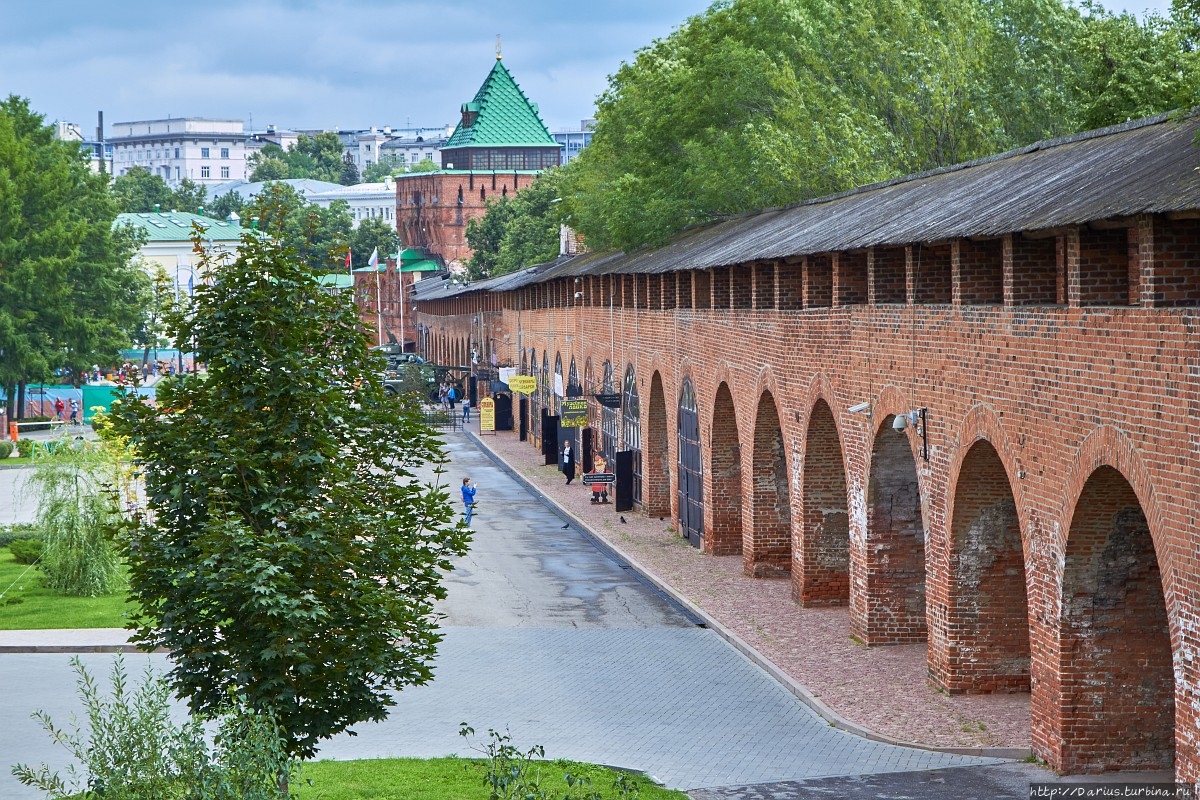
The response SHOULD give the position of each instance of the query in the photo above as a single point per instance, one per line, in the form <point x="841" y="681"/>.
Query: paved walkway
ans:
<point x="810" y="648"/>
<point x="566" y="647"/>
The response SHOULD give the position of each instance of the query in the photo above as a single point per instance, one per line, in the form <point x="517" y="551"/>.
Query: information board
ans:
<point x="487" y="414"/>
<point x="525" y="384"/>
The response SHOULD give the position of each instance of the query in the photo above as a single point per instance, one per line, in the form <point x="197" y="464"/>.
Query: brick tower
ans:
<point x="499" y="147"/>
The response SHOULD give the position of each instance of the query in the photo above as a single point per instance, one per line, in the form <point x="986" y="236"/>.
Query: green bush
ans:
<point x="26" y="551"/>
<point x="38" y="419"/>
<point x="19" y="530"/>
<point x="133" y="749"/>
<point x="6" y="449"/>
<point x="25" y="447"/>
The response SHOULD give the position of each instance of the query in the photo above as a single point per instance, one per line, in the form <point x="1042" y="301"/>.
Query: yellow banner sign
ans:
<point x="487" y="414"/>
<point x="524" y="384"/>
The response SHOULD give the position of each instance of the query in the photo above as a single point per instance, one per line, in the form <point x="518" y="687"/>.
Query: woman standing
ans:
<point x="568" y="462"/>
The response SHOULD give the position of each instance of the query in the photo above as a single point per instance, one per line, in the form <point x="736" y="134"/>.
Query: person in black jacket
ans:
<point x="568" y="462"/>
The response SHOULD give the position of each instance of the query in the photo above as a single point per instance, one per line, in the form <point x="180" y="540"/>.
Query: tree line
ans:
<point x="763" y="103"/>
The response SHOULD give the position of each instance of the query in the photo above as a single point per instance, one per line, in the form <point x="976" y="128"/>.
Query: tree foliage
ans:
<point x="373" y="233"/>
<point x="69" y="296"/>
<point x="517" y="231"/>
<point x="319" y="235"/>
<point x="761" y="103"/>
<point x="79" y="517"/>
<point x="292" y="555"/>
<point x="139" y="191"/>
<point x="319" y="157"/>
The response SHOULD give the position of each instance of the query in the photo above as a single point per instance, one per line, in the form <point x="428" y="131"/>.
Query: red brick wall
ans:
<point x="1058" y="390"/>
<point x="430" y="215"/>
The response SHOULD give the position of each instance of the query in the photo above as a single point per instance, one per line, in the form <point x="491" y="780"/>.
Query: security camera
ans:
<point x="579" y="295"/>
<point x="900" y="422"/>
<point x="858" y="409"/>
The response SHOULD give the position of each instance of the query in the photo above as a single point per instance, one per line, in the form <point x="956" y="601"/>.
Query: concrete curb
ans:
<point x="801" y="692"/>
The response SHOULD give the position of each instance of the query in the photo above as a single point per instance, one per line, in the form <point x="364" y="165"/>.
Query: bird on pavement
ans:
<point x="622" y="520"/>
<point x="566" y="526"/>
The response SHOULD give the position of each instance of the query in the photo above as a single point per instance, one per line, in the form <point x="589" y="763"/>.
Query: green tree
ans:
<point x="424" y="165"/>
<point x="370" y="234"/>
<point x="760" y="103"/>
<point x="68" y="294"/>
<point x="295" y="564"/>
<point x="189" y="197"/>
<point x="319" y="235"/>
<point x="139" y="191"/>
<point x="1131" y="69"/>
<point x="318" y="157"/>
<point x="349" y="172"/>
<point x="161" y="300"/>
<point x="79" y="519"/>
<point x="269" y="164"/>
<point x="228" y="203"/>
<point x="376" y="172"/>
<point x="517" y="231"/>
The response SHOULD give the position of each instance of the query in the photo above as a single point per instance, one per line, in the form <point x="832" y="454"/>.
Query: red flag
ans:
<point x="348" y="268"/>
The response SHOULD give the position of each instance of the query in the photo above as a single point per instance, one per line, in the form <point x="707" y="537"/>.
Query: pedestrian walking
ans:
<point x="443" y="400"/>
<point x="74" y="411"/>
<point x="568" y="463"/>
<point x="468" y="495"/>
<point x="59" y="407"/>
<point x="452" y="395"/>
<point x="466" y="411"/>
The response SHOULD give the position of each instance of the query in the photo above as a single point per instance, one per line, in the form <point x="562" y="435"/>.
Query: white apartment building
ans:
<point x="205" y="150"/>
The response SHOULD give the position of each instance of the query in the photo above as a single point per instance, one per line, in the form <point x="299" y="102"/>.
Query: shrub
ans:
<point x="37" y="419"/>
<point x="25" y="447"/>
<point x="6" y="449"/>
<point x="19" y="530"/>
<point x="26" y="551"/>
<point x="134" y="750"/>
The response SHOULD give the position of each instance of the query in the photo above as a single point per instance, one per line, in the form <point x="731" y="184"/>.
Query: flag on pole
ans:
<point x="373" y="261"/>
<point x="349" y="268"/>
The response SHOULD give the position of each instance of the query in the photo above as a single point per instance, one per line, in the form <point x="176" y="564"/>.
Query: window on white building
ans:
<point x="224" y="172"/>
<point x="177" y="152"/>
<point x="224" y="152"/>
<point x="204" y="152"/>
<point x="204" y="172"/>
<point x="416" y="157"/>
<point x="177" y="173"/>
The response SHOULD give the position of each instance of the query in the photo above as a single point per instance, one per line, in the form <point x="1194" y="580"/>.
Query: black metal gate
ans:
<point x="691" y="469"/>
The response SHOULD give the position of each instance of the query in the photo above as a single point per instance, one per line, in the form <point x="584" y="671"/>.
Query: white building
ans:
<point x="101" y="153"/>
<point x="205" y="150"/>
<point x="167" y="242"/>
<point x="366" y="200"/>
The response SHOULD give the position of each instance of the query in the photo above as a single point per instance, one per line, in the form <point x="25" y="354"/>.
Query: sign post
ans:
<point x="487" y="415"/>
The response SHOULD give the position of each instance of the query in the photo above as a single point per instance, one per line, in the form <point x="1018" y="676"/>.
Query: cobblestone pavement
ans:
<point x="554" y="640"/>
<point x="812" y="646"/>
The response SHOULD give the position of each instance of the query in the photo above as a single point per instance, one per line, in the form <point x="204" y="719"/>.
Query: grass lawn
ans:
<point x="444" y="779"/>
<point x="28" y="606"/>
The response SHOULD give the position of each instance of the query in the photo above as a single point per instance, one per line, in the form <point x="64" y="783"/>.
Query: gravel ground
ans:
<point x="883" y="688"/>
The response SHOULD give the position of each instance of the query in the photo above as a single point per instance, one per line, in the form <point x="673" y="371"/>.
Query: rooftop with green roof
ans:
<point x="176" y="226"/>
<point x="500" y="130"/>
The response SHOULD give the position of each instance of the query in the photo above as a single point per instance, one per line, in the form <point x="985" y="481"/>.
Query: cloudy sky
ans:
<point x="323" y="63"/>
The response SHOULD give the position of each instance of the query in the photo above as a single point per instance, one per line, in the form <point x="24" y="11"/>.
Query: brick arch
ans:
<point x="767" y="540"/>
<point x="887" y="597"/>
<point x="1116" y="683"/>
<point x="985" y="627"/>
<point x="723" y="522"/>
<point x="823" y="560"/>
<point x="657" y="476"/>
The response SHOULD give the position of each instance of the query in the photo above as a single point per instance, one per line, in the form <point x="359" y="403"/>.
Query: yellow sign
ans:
<point x="524" y="384"/>
<point x="574" y="414"/>
<point x="487" y="414"/>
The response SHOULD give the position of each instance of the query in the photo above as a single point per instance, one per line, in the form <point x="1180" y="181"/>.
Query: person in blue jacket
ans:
<point x="468" y="495"/>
